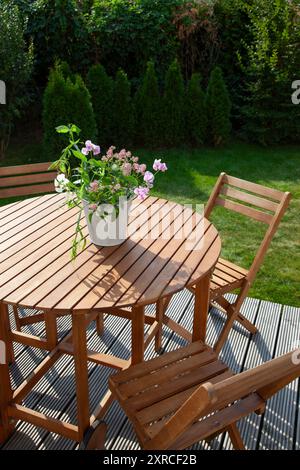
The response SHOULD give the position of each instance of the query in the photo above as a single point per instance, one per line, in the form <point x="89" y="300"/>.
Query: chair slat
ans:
<point x="27" y="179"/>
<point x="170" y="405"/>
<point x="245" y="210"/>
<point x="24" y="169"/>
<point x="167" y="374"/>
<point x="252" y="380"/>
<point x="202" y="374"/>
<point x="216" y="423"/>
<point x="253" y="187"/>
<point x="139" y="370"/>
<point x="234" y="267"/>
<point x="27" y="190"/>
<point x="249" y="198"/>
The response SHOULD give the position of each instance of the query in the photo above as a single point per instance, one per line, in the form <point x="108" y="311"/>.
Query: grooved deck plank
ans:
<point x="55" y="393"/>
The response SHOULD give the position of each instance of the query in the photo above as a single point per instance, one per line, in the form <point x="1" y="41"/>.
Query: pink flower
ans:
<point x="126" y="168"/>
<point x="110" y="152"/>
<point x="90" y="147"/>
<point x="141" y="192"/>
<point x="93" y="207"/>
<point x="143" y="168"/>
<point x="122" y="154"/>
<point x="136" y="167"/>
<point x="135" y="159"/>
<point x="94" y="186"/>
<point x="96" y="150"/>
<point x="159" y="166"/>
<point x="149" y="178"/>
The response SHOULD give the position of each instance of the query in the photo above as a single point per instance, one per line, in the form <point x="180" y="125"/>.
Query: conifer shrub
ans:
<point x="196" y="115"/>
<point x="123" y="120"/>
<point x="173" y="106"/>
<point x="66" y="101"/>
<point x="148" y="109"/>
<point x="100" y="86"/>
<point x="218" y="107"/>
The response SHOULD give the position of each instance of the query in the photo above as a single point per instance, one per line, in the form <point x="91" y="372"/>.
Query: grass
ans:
<point x="190" y="179"/>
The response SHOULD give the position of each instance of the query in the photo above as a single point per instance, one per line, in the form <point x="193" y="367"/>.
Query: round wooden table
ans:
<point x="170" y="247"/>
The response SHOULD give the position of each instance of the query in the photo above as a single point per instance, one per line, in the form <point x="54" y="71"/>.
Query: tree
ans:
<point x="59" y="30"/>
<point x="100" y="86"/>
<point x="16" y="63"/>
<point x="196" y="113"/>
<point x="173" y="106"/>
<point x="218" y="107"/>
<point x="66" y="101"/>
<point x="123" y="111"/>
<point x="271" y="63"/>
<point x="148" y="109"/>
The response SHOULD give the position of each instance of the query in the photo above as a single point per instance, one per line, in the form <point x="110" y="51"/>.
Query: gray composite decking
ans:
<point x="279" y="332"/>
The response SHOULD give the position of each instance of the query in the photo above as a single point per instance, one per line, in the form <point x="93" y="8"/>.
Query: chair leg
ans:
<point x="100" y="324"/>
<point x="246" y="324"/>
<point x="231" y="317"/>
<point x="94" y="438"/>
<point x="235" y="437"/>
<point x="222" y="304"/>
<point x="159" y="314"/>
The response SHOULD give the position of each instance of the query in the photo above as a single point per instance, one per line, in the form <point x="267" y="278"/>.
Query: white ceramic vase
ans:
<point x="111" y="229"/>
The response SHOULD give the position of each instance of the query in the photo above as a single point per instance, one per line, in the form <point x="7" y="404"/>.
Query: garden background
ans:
<point x="206" y="85"/>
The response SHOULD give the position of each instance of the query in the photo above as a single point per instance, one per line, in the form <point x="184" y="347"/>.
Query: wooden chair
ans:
<point x="26" y="180"/>
<point x="189" y="395"/>
<point x="265" y="205"/>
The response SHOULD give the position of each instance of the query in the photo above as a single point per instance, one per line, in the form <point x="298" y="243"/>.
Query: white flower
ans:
<point x="61" y="183"/>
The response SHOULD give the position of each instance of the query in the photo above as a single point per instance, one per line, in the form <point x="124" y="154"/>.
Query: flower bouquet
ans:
<point x="102" y="186"/>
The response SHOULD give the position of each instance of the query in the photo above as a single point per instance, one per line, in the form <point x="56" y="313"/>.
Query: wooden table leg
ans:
<point x="6" y="426"/>
<point x="137" y="335"/>
<point x="51" y="329"/>
<point x="201" y="309"/>
<point x="100" y="324"/>
<point x="81" y="372"/>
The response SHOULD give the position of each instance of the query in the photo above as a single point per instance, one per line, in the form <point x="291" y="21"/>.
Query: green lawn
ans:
<point x="190" y="179"/>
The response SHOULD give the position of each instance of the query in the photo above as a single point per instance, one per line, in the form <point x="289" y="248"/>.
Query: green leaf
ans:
<point x="79" y="155"/>
<point x="62" y="129"/>
<point x="74" y="128"/>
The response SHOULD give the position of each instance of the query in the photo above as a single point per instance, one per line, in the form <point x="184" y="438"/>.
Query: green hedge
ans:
<point x="66" y="100"/>
<point x="255" y="44"/>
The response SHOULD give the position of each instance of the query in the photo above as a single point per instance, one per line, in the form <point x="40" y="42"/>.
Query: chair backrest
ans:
<point x="25" y="180"/>
<point x="262" y="381"/>
<point x="253" y="200"/>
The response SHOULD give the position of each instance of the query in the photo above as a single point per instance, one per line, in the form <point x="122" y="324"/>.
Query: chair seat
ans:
<point x="226" y="277"/>
<point x="152" y="391"/>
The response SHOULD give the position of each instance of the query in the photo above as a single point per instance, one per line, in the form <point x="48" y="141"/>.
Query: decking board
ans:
<point x="279" y="330"/>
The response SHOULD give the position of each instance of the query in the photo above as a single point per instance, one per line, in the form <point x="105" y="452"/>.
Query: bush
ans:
<point x="173" y="106"/>
<point x="66" y="101"/>
<point x="148" y="109"/>
<point x="218" y="107"/>
<point x="132" y="32"/>
<point x="59" y="31"/>
<point x="196" y="113"/>
<point x="271" y="65"/>
<point x="122" y="112"/>
<point x="100" y="86"/>
<point x="16" y="63"/>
